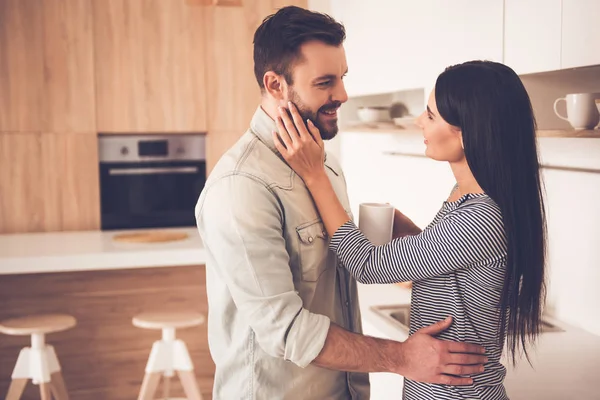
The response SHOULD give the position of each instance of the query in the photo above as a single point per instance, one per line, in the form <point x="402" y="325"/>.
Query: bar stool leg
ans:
<point x="45" y="391"/>
<point x="57" y="382"/>
<point x="159" y="357"/>
<point x="182" y="363"/>
<point x="16" y="388"/>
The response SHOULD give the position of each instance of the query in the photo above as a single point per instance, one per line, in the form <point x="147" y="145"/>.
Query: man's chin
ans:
<point x="328" y="130"/>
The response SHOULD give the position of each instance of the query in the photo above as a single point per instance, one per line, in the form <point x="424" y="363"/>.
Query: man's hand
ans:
<point x="403" y="226"/>
<point x="430" y="360"/>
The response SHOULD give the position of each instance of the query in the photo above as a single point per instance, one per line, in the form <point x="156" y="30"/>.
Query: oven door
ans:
<point x="150" y="195"/>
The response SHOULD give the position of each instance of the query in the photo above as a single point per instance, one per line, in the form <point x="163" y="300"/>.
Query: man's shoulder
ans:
<point x="251" y="158"/>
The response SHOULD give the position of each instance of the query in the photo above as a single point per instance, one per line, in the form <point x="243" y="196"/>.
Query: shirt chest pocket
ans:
<point x="313" y="250"/>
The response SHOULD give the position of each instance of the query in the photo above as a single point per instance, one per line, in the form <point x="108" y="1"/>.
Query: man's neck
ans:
<point x="269" y="106"/>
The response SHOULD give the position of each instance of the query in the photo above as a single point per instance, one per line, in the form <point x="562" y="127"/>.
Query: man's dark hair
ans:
<point x="278" y="39"/>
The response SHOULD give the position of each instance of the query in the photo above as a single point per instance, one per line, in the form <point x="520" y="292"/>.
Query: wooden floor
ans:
<point x="104" y="356"/>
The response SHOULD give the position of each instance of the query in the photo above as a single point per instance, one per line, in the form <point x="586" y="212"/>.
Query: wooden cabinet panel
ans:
<point x="49" y="182"/>
<point x="68" y="66"/>
<point x="150" y="66"/>
<point x="46" y="68"/>
<point x="104" y="355"/>
<point x="21" y="65"/>
<point x="231" y="84"/>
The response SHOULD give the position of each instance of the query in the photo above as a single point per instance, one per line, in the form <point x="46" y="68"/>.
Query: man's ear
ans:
<point x="275" y="85"/>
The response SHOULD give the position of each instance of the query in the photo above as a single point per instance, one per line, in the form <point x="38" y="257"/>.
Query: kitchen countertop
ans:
<point x="566" y="364"/>
<point x="94" y="250"/>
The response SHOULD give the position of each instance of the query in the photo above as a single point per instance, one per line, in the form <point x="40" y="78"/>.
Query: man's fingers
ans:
<point x="289" y="125"/>
<point x="283" y="133"/>
<point x="298" y="122"/>
<point x="465" y="359"/>
<point x="436" y="328"/>
<point x="454" y="380"/>
<point x="457" y="347"/>
<point x="460" y="370"/>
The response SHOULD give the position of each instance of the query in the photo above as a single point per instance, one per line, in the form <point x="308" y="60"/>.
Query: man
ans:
<point x="284" y="321"/>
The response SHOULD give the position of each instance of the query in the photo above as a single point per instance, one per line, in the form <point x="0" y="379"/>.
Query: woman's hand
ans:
<point x="302" y="148"/>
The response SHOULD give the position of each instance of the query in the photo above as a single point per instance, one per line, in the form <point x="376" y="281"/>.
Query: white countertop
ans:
<point x="566" y="365"/>
<point x="94" y="250"/>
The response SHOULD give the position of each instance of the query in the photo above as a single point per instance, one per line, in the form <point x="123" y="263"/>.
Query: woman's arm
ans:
<point x="464" y="238"/>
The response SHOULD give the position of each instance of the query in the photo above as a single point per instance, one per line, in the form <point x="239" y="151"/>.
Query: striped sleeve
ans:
<point x="465" y="237"/>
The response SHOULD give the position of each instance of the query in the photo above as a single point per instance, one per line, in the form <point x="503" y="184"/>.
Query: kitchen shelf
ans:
<point x="595" y="133"/>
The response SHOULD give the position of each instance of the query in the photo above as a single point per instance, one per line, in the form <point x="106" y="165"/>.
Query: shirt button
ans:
<point x="324" y="233"/>
<point x="347" y="304"/>
<point x="310" y="239"/>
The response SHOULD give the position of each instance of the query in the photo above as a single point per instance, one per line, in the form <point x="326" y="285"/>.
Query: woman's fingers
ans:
<point x="298" y="122"/>
<point x="315" y="133"/>
<point x="283" y="133"/>
<point x="289" y="125"/>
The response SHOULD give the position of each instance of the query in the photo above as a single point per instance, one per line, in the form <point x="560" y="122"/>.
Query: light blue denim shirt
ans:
<point x="273" y="284"/>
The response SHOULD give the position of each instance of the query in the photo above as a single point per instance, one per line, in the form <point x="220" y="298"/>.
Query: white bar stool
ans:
<point x="169" y="355"/>
<point x="38" y="362"/>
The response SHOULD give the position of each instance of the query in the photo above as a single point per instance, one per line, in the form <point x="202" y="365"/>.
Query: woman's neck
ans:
<point x="464" y="178"/>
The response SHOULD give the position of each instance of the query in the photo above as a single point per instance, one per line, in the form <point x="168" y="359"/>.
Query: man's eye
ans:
<point x="323" y="83"/>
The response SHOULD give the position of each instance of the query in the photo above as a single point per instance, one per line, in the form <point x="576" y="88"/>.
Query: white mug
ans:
<point x="376" y="221"/>
<point x="581" y="110"/>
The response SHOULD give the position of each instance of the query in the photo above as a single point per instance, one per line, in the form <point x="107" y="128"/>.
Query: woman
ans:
<point x="481" y="259"/>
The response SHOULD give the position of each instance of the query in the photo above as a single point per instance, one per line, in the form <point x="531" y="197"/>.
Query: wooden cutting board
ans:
<point x="150" y="237"/>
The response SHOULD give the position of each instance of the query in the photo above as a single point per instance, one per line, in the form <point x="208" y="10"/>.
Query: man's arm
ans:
<point x="240" y="222"/>
<point x="421" y="358"/>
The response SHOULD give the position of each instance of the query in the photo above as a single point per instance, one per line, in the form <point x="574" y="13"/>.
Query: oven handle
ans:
<point x="152" y="171"/>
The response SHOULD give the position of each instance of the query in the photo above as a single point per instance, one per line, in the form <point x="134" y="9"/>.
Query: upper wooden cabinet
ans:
<point x="49" y="182"/>
<point x="150" y="66"/>
<point x="231" y="84"/>
<point x="580" y="33"/>
<point x="46" y="67"/>
<point x="532" y="35"/>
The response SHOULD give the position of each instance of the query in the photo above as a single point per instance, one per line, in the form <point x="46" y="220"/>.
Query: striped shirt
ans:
<point x="457" y="265"/>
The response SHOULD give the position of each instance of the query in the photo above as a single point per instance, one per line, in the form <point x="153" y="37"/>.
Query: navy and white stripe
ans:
<point x="457" y="265"/>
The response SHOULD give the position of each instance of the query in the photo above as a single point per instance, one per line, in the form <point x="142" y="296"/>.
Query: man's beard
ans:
<point x="328" y="130"/>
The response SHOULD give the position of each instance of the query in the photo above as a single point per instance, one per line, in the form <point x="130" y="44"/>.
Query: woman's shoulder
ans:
<point x="479" y="206"/>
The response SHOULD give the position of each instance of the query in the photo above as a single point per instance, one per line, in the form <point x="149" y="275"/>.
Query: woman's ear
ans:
<point x="462" y="144"/>
<point x="275" y="85"/>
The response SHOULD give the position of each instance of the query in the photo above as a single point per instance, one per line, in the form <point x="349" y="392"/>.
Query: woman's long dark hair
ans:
<point x="490" y="105"/>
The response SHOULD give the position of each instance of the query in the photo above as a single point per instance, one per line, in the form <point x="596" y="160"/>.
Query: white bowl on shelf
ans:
<point x="374" y="114"/>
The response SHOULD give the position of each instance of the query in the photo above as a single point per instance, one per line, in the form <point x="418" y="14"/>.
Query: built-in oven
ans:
<point x="150" y="181"/>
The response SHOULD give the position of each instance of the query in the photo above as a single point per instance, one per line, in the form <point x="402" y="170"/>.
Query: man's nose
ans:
<point x="340" y="93"/>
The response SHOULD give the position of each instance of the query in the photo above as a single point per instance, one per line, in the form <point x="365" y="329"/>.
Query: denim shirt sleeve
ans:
<point x="240" y="221"/>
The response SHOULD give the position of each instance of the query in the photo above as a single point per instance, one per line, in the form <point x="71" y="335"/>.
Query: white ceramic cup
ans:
<point x="376" y="221"/>
<point x="581" y="110"/>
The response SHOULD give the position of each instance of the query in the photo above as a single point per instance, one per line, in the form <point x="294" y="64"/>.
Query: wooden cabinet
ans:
<point x="150" y="66"/>
<point x="49" y="182"/>
<point x="580" y="33"/>
<point x="231" y="85"/>
<point x="47" y="80"/>
<point x="104" y="355"/>
<point x="532" y="35"/>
